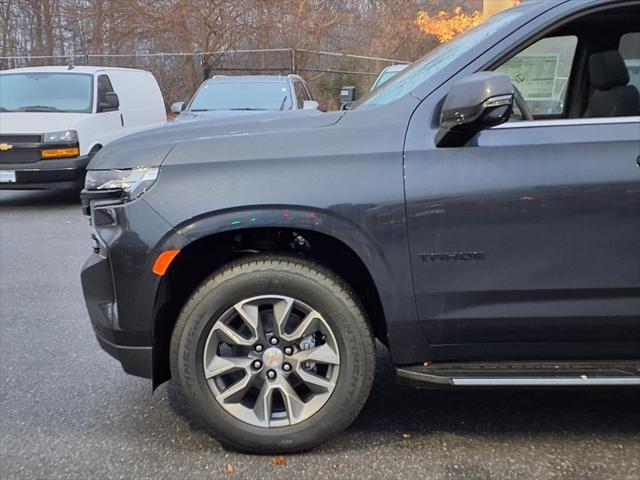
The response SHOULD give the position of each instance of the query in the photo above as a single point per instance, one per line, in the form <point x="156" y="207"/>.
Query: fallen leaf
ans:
<point x="229" y="468"/>
<point x="279" y="460"/>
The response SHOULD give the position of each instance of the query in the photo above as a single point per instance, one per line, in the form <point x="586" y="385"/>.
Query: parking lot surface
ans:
<point x="67" y="410"/>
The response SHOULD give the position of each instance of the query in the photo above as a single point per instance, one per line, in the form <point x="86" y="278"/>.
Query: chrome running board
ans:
<point x="524" y="374"/>
<point x="558" y="382"/>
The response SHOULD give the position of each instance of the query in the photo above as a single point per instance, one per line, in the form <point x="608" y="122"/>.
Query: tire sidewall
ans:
<point x="220" y="293"/>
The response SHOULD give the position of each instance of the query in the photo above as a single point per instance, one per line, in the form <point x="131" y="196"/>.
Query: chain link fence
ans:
<point x="179" y="74"/>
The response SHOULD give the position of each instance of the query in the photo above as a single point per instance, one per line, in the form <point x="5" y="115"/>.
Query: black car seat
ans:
<point x="612" y="96"/>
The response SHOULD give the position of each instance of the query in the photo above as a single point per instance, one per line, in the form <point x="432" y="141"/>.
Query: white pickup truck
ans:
<point x="54" y="119"/>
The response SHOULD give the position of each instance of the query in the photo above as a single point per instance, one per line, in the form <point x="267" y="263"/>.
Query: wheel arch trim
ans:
<point x="326" y="223"/>
<point x="321" y="221"/>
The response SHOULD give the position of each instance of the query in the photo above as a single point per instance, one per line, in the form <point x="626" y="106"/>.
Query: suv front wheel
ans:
<point x="274" y="354"/>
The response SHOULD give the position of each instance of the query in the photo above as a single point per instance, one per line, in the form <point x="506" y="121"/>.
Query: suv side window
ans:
<point x="630" y="51"/>
<point x="301" y="93"/>
<point x="542" y="72"/>
<point x="104" y="87"/>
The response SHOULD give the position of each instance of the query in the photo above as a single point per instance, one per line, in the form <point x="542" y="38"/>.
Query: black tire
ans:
<point x="279" y="275"/>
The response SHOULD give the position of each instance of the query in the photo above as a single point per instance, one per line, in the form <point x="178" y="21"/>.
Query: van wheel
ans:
<point x="274" y="354"/>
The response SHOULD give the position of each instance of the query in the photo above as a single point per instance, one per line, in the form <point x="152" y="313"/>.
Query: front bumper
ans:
<point x="64" y="173"/>
<point x="121" y="292"/>
<point x="131" y="349"/>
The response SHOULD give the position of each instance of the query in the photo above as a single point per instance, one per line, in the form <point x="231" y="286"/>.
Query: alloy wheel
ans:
<point x="271" y="361"/>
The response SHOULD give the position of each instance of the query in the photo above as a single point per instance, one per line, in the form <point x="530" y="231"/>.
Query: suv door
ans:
<point x="529" y="236"/>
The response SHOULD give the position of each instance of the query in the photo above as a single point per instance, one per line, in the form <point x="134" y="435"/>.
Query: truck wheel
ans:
<point x="274" y="354"/>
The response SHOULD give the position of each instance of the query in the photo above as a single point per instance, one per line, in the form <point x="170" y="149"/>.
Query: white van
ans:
<point x="53" y="119"/>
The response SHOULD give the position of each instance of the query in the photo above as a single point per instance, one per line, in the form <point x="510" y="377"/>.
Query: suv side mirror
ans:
<point x="177" y="107"/>
<point x="477" y="102"/>
<point x="310" y="105"/>
<point x="111" y="102"/>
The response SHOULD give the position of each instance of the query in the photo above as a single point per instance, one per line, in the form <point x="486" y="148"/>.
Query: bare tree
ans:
<point x="386" y="28"/>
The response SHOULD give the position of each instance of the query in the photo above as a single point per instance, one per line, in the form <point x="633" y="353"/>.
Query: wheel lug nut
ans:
<point x="258" y="348"/>
<point x="286" y="367"/>
<point x="288" y="351"/>
<point x="273" y="341"/>
<point x="271" y="374"/>
<point x="257" y="364"/>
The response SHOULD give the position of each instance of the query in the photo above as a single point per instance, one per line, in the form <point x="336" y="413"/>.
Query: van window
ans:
<point x="46" y="92"/>
<point x="541" y="73"/>
<point x="104" y="87"/>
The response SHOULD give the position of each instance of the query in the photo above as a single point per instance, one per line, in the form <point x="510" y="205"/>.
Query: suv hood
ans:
<point x="151" y="147"/>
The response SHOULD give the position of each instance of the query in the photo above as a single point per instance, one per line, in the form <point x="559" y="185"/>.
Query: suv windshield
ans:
<point x="46" y="92"/>
<point x="218" y="95"/>
<point x="421" y="71"/>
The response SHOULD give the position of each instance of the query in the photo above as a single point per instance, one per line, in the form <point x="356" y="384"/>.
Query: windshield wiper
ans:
<point x="2" y="109"/>
<point x="284" y="100"/>
<point x="38" y="108"/>
<point x="248" y="109"/>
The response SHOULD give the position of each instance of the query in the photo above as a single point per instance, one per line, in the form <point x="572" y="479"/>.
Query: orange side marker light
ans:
<point x="163" y="261"/>
<point x="60" y="152"/>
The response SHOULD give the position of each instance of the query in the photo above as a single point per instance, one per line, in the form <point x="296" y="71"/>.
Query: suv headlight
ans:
<point x="130" y="183"/>
<point x="63" y="136"/>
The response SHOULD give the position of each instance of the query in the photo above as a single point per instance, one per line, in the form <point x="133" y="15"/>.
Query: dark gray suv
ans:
<point x="254" y="261"/>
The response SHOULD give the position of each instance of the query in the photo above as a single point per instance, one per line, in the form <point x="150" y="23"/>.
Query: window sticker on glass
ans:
<point x="533" y="75"/>
<point x="541" y="73"/>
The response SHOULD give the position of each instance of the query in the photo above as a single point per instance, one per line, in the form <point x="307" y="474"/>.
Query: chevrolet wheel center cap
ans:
<point x="273" y="357"/>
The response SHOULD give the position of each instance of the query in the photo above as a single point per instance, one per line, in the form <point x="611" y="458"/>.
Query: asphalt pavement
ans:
<point x="67" y="410"/>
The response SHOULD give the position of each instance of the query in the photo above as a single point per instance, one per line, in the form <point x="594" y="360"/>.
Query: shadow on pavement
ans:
<point x="30" y="198"/>
<point x="394" y="409"/>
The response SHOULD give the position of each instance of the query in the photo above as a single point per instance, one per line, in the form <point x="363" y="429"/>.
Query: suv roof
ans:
<point x="253" y="78"/>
